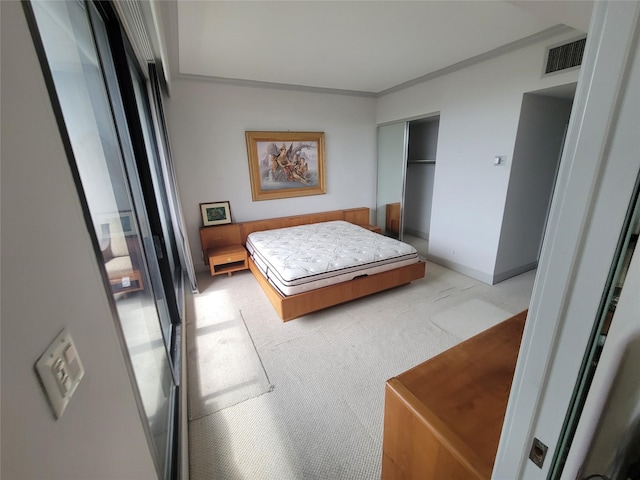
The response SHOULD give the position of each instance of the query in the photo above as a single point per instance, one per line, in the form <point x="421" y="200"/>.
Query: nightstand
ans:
<point x="373" y="228"/>
<point x="228" y="259"/>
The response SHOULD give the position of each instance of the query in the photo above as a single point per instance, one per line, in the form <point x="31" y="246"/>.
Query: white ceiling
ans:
<point x="363" y="46"/>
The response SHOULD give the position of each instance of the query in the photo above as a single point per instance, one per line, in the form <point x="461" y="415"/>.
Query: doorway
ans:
<point x="421" y="168"/>
<point x="542" y="126"/>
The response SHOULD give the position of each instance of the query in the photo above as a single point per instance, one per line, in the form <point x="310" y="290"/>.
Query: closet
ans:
<point x="406" y="172"/>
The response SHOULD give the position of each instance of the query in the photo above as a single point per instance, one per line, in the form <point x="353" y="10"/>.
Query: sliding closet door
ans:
<point x="84" y="91"/>
<point x="392" y="161"/>
<point x="168" y="176"/>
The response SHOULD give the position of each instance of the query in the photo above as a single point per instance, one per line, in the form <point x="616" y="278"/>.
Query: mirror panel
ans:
<point x="392" y="161"/>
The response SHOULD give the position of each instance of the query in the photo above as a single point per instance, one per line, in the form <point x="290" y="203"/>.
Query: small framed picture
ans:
<point x="216" y="213"/>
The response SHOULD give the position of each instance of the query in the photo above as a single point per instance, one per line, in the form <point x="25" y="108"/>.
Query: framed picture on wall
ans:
<point x="118" y="223"/>
<point x="286" y="164"/>
<point x="215" y="213"/>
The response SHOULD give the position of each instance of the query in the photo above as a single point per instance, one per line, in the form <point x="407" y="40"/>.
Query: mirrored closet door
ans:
<point x="406" y="174"/>
<point x="392" y="162"/>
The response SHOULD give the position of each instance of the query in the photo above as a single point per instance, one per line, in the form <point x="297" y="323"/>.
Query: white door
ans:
<point x="607" y="437"/>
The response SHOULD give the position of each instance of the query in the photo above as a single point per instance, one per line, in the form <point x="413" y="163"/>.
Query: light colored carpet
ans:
<point x="223" y="367"/>
<point x="324" y="417"/>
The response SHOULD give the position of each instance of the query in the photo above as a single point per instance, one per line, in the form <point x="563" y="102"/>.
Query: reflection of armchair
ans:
<point x="120" y="258"/>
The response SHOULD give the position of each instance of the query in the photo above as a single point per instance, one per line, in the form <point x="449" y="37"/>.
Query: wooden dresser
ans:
<point x="443" y="418"/>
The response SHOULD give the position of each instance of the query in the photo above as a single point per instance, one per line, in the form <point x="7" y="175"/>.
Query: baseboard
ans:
<point x="417" y="233"/>
<point x="501" y="277"/>
<point x="456" y="267"/>
<point x="201" y="268"/>
<point x="184" y="414"/>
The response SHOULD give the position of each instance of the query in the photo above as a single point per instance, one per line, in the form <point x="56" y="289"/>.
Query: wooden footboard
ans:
<point x="295" y="306"/>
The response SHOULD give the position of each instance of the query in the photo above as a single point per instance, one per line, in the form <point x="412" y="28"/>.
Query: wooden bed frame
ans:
<point x="294" y="306"/>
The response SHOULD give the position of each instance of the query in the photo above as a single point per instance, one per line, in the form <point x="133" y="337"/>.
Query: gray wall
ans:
<point x="50" y="280"/>
<point x="479" y="110"/>
<point x="535" y="162"/>
<point x="207" y="123"/>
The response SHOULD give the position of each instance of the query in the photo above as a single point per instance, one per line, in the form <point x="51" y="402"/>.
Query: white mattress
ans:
<point x="306" y="257"/>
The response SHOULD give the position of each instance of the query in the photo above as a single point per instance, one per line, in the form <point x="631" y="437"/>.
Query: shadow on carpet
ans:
<point x="224" y="368"/>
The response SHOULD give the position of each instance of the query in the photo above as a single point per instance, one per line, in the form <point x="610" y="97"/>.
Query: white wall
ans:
<point x="207" y="123"/>
<point x="50" y="280"/>
<point x="479" y="110"/>
<point x="535" y="161"/>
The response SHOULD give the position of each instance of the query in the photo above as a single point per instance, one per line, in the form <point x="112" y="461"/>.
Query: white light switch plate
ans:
<point x="60" y="371"/>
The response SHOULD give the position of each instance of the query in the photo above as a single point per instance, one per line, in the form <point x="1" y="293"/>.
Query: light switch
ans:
<point x="499" y="160"/>
<point x="60" y="370"/>
<point x="71" y="357"/>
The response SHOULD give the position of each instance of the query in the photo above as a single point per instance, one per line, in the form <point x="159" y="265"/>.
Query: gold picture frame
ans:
<point x="215" y="213"/>
<point x="286" y="164"/>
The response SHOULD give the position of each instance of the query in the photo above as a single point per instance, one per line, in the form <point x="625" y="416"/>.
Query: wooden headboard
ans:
<point x="236" y="233"/>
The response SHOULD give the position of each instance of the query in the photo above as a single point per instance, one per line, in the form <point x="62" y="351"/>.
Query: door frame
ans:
<point x="587" y="215"/>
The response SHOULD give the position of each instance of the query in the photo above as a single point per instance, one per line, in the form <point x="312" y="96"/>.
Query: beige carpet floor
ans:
<point x="314" y="406"/>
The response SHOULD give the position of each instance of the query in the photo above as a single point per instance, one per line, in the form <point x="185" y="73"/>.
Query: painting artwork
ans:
<point x="215" y="213"/>
<point x="285" y="164"/>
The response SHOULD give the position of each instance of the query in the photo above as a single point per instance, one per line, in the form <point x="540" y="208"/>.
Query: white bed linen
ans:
<point x="306" y="257"/>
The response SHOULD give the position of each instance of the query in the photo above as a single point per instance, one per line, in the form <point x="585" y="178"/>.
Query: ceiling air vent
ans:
<point x="565" y="56"/>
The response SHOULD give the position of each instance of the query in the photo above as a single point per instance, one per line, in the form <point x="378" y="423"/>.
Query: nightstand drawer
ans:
<point x="228" y="259"/>
<point x="233" y="257"/>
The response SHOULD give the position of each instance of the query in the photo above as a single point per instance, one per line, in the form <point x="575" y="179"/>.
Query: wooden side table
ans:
<point x="443" y="418"/>
<point x="227" y="259"/>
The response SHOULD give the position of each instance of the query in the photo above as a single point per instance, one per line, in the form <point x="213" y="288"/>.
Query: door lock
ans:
<point x="538" y="452"/>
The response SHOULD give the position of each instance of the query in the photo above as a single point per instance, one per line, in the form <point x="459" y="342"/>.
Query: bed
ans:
<point x="307" y="257"/>
<point x="330" y="279"/>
